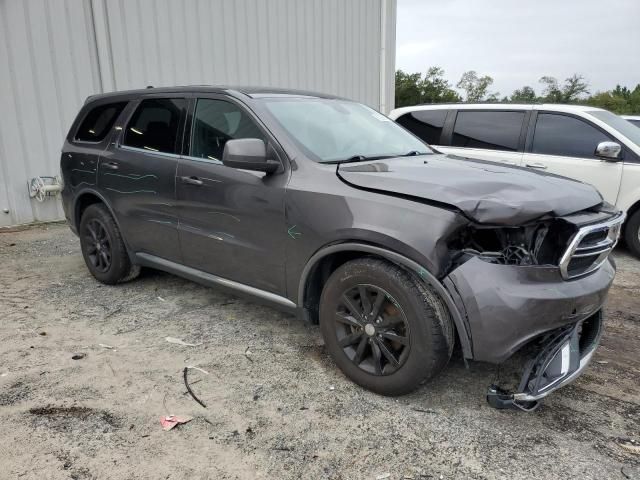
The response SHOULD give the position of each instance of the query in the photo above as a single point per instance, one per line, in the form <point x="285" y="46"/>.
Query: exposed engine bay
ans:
<point x="540" y="243"/>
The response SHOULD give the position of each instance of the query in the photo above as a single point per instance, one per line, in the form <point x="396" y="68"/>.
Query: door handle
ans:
<point x="111" y="165"/>
<point x="540" y="166"/>
<point x="192" y="181"/>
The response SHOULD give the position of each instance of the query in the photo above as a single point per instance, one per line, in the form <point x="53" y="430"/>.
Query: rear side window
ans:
<point x="215" y="122"/>
<point x="98" y="122"/>
<point x="155" y="125"/>
<point x="566" y="136"/>
<point x="490" y="130"/>
<point x="426" y="124"/>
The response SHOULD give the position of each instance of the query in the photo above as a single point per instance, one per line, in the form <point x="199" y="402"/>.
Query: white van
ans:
<point x="585" y="143"/>
<point x="635" y="119"/>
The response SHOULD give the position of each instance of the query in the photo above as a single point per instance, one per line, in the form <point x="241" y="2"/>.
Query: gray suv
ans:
<point x="327" y="209"/>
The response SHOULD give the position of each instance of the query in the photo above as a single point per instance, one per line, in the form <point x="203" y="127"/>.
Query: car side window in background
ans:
<point x="98" y="122"/>
<point x="215" y="122"/>
<point x="154" y="125"/>
<point x="565" y="136"/>
<point x="426" y="124"/>
<point x="490" y="130"/>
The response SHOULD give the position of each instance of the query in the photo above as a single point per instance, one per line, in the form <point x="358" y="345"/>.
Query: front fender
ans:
<point x="421" y="273"/>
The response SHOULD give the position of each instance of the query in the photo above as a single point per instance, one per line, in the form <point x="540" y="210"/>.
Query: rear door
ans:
<point x="137" y="175"/>
<point x="565" y="144"/>
<point x="232" y="222"/>
<point x="494" y="135"/>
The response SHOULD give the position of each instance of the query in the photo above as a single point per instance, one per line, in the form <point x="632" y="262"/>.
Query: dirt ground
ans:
<point x="277" y="407"/>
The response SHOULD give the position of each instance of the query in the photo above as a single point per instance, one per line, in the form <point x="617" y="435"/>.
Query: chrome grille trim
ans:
<point x="600" y="250"/>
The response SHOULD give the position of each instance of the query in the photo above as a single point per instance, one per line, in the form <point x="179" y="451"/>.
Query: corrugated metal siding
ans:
<point x="47" y="69"/>
<point x="330" y="46"/>
<point x="55" y="53"/>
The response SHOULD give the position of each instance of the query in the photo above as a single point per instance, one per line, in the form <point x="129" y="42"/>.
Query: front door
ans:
<point x="232" y="222"/>
<point x="566" y="145"/>
<point x="137" y="175"/>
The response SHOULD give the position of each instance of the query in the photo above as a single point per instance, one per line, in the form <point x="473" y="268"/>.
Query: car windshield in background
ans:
<point x="620" y="124"/>
<point x="332" y="130"/>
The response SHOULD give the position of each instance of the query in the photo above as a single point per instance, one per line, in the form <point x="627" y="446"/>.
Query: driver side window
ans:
<point x="215" y="122"/>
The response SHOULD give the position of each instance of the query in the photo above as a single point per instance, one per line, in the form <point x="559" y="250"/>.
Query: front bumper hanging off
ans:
<point x="564" y="354"/>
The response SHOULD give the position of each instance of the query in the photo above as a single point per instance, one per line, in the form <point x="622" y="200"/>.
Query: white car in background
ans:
<point x="585" y="143"/>
<point x="635" y="119"/>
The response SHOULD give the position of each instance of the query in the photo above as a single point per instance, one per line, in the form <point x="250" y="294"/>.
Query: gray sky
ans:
<point x="518" y="41"/>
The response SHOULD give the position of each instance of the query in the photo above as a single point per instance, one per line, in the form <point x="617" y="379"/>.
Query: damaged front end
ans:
<point x="562" y="356"/>
<point x="534" y="244"/>
<point x="541" y="284"/>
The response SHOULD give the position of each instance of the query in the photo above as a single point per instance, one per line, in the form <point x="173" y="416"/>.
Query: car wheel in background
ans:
<point x="632" y="233"/>
<point x="385" y="330"/>
<point x="102" y="247"/>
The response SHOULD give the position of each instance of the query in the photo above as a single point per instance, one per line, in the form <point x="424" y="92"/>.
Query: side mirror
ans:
<point x="609" y="151"/>
<point x="248" y="154"/>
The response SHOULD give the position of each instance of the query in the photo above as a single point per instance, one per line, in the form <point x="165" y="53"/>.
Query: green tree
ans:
<point x="475" y="87"/>
<point x="413" y="88"/>
<point x="408" y="89"/>
<point x="525" y="94"/>
<point x="436" y="89"/>
<point x="573" y="88"/>
<point x="608" y="101"/>
<point x="620" y="100"/>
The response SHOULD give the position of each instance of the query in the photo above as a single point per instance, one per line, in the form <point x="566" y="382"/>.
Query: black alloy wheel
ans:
<point x="103" y="246"/>
<point x="98" y="245"/>
<point x="385" y="329"/>
<point x="372" y="329"/>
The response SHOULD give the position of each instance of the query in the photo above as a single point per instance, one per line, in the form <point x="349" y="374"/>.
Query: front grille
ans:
<point x="590" y="247"/>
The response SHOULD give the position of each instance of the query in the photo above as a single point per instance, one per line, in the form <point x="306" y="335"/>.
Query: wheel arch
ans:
<point x="632" y="210"/>
<point x="327" y="259"/>
<point x="87" y="197"/>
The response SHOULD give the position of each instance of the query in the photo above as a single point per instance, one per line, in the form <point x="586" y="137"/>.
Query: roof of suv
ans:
<point x="252" y="92"/>
<point x="495" y="106"/>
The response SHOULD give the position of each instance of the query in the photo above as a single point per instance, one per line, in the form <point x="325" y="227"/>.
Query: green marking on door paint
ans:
<point x="293" y="234"/>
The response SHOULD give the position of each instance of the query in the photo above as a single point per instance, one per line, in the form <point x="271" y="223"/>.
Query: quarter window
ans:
<point x="98" y="122"/>
<point x="426" y="124"/>
<point x="215" y="122"/>
<point x="565" y="136"/>
<point x="490" y="130"/>
<point x="155" y="125"/>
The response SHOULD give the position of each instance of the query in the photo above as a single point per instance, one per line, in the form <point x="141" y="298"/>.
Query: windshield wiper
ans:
<point x="364" y="158"/>
<point x="358" y="158"/>
<point x="413" y="153"/>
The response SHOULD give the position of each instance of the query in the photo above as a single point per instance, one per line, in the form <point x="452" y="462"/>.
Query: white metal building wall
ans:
<point x="47" y="68"/>
<point x="55" y="53"/>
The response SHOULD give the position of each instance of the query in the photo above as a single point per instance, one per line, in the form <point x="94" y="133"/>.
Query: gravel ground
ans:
<point x="277" y="407"/>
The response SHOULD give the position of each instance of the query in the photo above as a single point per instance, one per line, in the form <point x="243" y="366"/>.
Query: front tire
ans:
<point x="103" y="248"/>
<point x="385" y="330"/>
<point x="632" y="234"/>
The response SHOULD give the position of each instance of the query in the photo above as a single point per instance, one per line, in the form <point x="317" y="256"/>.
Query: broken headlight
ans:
<point x="536" y="244"/>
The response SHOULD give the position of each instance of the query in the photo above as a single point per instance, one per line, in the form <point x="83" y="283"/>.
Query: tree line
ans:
<point x="433" y="87"/>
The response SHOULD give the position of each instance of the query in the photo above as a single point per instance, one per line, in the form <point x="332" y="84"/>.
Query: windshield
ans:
<point x="626" y="128"/>
<point x="332" y="130"/>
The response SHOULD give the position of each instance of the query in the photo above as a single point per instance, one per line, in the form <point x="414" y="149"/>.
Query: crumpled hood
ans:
<point x="486" y="192"/>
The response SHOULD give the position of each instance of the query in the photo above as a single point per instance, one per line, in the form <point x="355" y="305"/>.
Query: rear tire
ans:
<point x="398" y="337"/>
<point x="103" y="248"/>
<point x="632" y="234"/>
